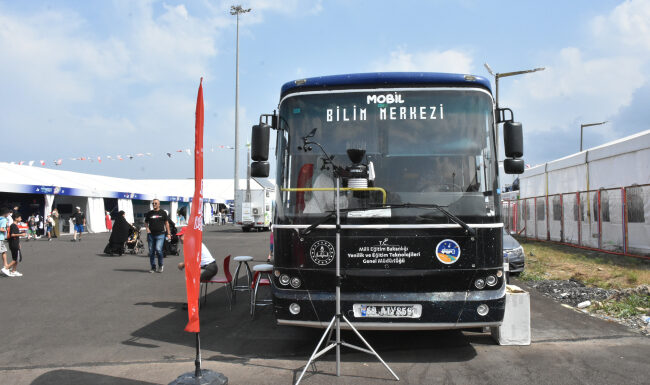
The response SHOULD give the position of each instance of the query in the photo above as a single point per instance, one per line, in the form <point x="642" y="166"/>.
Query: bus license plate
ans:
<point x="387" y="310"/>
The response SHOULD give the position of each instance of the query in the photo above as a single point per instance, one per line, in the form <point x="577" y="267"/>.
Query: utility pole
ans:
<point x="236" y="10"/>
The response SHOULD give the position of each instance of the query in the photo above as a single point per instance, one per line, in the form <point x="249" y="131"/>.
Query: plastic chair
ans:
<point x="226" y="280"/>
<point x="262" y="278"/>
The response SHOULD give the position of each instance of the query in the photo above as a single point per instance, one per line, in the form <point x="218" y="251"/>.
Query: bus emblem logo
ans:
<point x="448" y="251"/>
<point x="322" y="253"/>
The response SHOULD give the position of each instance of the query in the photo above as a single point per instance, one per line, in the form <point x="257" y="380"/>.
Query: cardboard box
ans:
<point x="515" y="329"/>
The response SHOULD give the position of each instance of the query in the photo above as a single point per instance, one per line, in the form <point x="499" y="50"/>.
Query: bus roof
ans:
<point x="385" y="79"/>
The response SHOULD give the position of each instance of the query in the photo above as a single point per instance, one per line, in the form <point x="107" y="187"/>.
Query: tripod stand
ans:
<point x="336" y="320"/>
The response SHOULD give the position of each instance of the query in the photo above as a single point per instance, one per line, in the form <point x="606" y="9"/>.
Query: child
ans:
<point x="14" y="246"/>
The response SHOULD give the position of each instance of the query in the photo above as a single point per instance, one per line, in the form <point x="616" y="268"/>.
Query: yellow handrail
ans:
<point x="383" y="192"/>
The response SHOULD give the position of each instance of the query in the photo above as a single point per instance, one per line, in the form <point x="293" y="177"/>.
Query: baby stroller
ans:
<point x="134" y="244"/>
<point x="171" y="245"/>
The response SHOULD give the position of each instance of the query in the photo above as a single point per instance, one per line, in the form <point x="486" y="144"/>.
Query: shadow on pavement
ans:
<point x="74" y="377"/>
<point x="233" y="333"/>
<point x="133" y="270"/>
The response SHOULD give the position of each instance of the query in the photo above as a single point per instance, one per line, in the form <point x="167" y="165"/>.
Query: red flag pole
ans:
<point x="194" y="236"/>
<point x="194" y="231"/>
<point x="192" y="256"/>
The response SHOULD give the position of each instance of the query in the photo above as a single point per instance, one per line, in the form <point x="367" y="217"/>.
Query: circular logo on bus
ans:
<point x="448" y="251"/>
<point x="322" y="253"/>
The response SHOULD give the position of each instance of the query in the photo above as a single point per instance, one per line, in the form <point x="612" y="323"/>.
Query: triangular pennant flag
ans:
<point x="42" y="163"/>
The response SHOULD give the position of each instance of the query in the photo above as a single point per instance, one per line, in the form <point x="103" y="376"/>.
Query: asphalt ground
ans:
<point x="80" y="317"/>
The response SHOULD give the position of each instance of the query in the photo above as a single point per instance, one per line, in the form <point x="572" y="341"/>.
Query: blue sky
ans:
<point x="107" y="78"/>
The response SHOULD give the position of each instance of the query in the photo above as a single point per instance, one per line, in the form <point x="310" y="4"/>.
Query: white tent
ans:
<point x="87" y="191"/>
<point x="597" y="198"/>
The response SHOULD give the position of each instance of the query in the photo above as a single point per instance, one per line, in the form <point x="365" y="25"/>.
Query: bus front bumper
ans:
<point x="439" y="310"/>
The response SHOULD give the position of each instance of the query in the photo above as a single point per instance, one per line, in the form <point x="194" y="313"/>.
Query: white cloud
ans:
<point x="574" y="87"/>
<point x="591" y="83"/>
<point x="429" y="61"/>
<point x="627" y="26"/>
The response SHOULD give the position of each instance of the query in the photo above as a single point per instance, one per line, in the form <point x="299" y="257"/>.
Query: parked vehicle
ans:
<point x="255" y="211"/>
<point x="513" y="254"/>
<point x="417" y="234"/>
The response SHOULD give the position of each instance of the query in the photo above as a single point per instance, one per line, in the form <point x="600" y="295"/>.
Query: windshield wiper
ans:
<point x="449" y="215"/>
<point x="311" y="228"/>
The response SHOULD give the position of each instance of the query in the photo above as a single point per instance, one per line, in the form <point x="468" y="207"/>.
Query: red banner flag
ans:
<point x="194" y="231"/>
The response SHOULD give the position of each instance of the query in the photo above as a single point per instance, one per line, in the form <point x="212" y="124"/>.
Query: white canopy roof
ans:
<point x="33" y="179"/>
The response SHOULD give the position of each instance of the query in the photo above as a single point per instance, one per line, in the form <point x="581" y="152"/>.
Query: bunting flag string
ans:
<point x="119" y="157"/>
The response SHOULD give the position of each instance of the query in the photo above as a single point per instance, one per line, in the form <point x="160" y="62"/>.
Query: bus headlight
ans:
<point x="491" y="280"/>
<point x="284" y="279"/>
<point x="294" y="308"/>
<point x="479" y="283"/>
<point x="295" y="282"/>
<point x="482" y="309"/>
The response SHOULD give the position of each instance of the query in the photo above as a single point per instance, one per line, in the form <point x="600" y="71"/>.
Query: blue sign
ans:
<point x="448" y="251"/>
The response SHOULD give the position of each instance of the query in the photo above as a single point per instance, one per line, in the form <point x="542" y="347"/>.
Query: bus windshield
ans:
<point x="426" y="146"/>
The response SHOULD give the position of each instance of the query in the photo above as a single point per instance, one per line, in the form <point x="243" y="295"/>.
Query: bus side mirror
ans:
<point x="513" y="166"/>
<point x="513" y="139"/>
<point x="260" y="142"/>
<point x="260" y="169"/>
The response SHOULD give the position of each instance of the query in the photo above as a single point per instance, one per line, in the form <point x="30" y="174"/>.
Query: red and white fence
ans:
<point x="614" y="220"/>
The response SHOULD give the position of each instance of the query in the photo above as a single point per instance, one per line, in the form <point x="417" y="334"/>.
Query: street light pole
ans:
<point x="237" y="10"/>
<point x="496" y="86"/>
<point x="582" y="126"/>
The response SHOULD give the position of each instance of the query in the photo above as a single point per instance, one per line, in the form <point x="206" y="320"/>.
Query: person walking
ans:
<point x="157" y="224"/>
<point x="4" y="231"/>
<point x="119" y="235"/>
<point x="48" y="227"/>
<point x="10" y="217"/>
<point x="109" y="223"/>
<point x="14" y="246"/>
<point x="55" y="223"/>
<point x="39" y="225"/>
<point x="31" y="232"/>
<point x="79" y="222"/>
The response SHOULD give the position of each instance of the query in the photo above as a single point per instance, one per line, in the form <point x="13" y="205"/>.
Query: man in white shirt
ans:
<point x="208" y="264"/>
